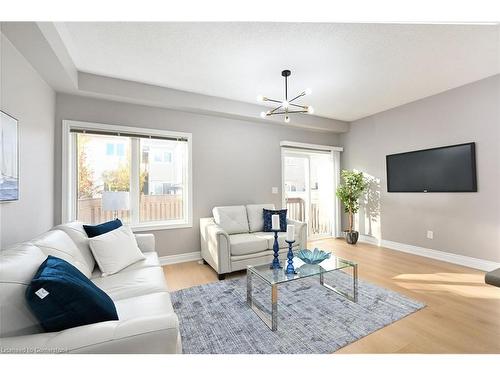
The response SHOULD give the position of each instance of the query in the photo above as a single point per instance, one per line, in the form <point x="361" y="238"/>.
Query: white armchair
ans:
<point x="234" y="238"/>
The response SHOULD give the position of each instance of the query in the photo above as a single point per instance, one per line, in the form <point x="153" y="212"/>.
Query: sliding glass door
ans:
<point x="308" y="189"/>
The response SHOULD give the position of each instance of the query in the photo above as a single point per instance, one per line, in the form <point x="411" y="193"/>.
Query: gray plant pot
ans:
<point x="352" y="237"/>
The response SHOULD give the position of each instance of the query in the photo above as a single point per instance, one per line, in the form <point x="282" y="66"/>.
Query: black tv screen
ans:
<point x="441" y="169"/>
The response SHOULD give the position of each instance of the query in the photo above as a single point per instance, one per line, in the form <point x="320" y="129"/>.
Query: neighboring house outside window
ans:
<point x="161" y="156"/>
<point x="155" y="171"/>
<point x="115" y="149"/>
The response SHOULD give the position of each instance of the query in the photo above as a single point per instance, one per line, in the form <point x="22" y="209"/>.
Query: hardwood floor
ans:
<point x="462" y="313"/>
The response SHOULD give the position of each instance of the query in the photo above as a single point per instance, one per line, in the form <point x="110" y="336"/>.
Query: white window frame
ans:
<point x="69" y="170"/>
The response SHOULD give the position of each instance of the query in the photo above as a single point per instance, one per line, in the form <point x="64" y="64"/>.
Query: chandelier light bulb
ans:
<point x="310" y="110"/>
<point x="263" y="114"/>
<point x="287" y="119"/>
<point x="285" y="104"/>
<point x="260" y="98"/>
<point x="308" y="91"/>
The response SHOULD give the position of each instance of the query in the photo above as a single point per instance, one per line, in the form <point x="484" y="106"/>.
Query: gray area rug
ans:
<point x="215" y="318"/>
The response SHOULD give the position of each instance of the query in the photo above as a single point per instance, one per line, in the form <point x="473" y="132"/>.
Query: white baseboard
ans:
<point x="369" y="239"/>
<point x="480" y="264"/>
<point x="180" y="258"/>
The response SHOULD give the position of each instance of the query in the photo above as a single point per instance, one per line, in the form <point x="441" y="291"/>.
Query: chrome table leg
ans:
<point x="354" y="296"/>
<point x="274" y="302"/>
<point x="272" y="322"/>
<point x="355" y="282"/>
<point x="249" y="287"/>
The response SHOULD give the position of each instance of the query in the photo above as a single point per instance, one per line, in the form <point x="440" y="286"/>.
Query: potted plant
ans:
<point x="349" y="193"/>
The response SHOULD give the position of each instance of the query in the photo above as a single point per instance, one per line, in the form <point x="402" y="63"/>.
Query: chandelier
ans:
<point x="286" y="106"/>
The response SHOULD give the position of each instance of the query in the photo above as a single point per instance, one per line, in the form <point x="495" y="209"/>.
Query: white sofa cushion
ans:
<point x="130" y="284"/>
<point x="233" y="219"/>
<point x="269" y="237"/>
<point x="255" y="213"/>
<point x="115" y="250"/>
<point x="58" y="244"/>
<point x="157" y="303"/>
<point x="76" y="232"/>
<point x="246" y="243"/>
<point x="18" y="265"/>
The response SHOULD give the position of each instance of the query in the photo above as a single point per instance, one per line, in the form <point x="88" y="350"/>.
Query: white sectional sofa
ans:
<point x="234" y="238"/>
<point x="147" y="321"/>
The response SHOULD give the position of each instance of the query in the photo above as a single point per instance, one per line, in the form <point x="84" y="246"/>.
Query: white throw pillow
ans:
<point x="115" y="250"/>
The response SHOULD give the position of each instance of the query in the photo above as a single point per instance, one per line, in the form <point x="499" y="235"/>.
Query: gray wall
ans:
<point x="25" y="96"/>
<point x="234" y="161"/>
<point x="463" y="223"/>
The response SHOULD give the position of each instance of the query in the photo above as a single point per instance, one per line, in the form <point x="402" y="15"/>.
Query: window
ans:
<point x="161" y="156"/>
<point x="120" y="149"/>
<point x="115" y="149"/>
<point x="163" y="188"/>
<point x="152" y="166"/>
<point x="110" y="149"/>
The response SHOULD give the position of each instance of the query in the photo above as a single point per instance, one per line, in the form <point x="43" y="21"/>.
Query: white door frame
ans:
<point x="335" y="152"/>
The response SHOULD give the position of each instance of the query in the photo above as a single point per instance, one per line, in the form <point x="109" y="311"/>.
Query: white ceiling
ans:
<point x="354" y="70"/>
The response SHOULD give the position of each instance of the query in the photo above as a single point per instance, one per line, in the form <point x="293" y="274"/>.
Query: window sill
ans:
<point x="159" y="226"/>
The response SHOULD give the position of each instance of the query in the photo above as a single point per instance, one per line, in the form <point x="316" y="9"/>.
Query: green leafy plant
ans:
<point x="86" y="188"/>
<point x="118" y="179"/>
<point x="350" y="191"/>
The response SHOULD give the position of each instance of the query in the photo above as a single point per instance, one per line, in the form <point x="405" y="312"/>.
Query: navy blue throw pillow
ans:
<point x="62" y="297"/>
<point x="97" y="230"/>
<point x="268" y="221"/>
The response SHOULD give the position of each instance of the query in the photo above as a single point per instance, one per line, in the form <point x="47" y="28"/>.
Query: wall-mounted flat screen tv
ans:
<point x="441" y="169"/>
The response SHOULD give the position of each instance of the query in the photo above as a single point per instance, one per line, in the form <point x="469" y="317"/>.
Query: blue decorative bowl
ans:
<point x="312" y="257"/>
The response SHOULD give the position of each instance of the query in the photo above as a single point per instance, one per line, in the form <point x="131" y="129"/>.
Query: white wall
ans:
<point x="463" y="223"/>
<point x="26" y="97"/>
<point x="234" y="161"/>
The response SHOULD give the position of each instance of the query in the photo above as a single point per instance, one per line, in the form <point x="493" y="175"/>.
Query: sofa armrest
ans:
<point x="300" y="232"/>
<point x="146" y="242"/>
<point x="157" y="334"/>
<point x="215" y="245"/>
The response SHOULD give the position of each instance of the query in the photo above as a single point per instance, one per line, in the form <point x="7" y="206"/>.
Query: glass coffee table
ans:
<point x="273" y="278"/>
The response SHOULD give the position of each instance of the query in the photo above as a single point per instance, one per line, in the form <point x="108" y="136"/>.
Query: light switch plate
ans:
<point x="274" y="190"/>
<point x="430" y="234"/>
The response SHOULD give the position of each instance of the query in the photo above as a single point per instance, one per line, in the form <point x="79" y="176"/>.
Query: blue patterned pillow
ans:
<point x="268" y="222"/>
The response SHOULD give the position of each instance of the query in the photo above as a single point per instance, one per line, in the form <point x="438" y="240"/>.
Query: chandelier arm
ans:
<point x="298" y="96"/>
<point x="275" y="109"/>
<point x="272" y="100"/>
<point x="285" y="113"/>
<point x="298" y="105"/>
